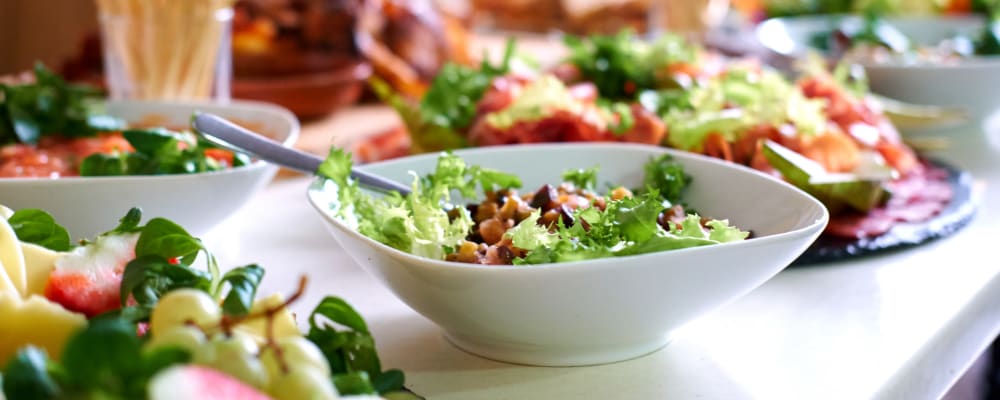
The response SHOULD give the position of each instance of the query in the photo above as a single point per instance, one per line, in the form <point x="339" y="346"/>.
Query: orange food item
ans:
<point x="56" y="156"/>
<point x="834" y="150"/>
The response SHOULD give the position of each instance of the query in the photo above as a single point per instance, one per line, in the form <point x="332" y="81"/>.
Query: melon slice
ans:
<point x="193" y="382"/>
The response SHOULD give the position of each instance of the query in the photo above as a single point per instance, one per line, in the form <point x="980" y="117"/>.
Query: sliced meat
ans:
<point x="916" y="197"/>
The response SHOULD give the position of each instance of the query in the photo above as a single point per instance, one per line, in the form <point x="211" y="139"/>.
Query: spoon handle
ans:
<point x="233" y="137"/>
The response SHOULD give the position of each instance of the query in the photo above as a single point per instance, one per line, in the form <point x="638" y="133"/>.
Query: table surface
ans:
<point x="898" y="326"/>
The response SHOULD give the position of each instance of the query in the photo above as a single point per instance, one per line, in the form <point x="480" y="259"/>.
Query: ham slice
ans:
<point x="916" y="198"/>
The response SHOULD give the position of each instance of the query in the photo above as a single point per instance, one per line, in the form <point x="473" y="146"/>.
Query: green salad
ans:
<point x="560" y="222"/>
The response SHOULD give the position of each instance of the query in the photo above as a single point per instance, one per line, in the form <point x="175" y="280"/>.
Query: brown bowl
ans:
<point x="308" y="95"/>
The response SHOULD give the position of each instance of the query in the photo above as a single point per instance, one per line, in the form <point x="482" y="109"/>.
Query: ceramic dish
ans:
<point x="596" y="311"/>
<point x="963" y="83"/>
<point x="88" y="206"/>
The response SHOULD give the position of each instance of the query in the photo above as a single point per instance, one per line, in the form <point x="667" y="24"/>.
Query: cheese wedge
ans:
<point x="35" y="321"/>
<point x="11" y="257"/>
<point x="38" y="264"/>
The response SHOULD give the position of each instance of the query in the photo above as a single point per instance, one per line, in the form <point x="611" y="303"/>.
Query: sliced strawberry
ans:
<point x="88" y="280"/>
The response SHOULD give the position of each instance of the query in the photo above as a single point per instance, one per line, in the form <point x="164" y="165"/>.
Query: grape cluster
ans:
<point x="287" y="367"/>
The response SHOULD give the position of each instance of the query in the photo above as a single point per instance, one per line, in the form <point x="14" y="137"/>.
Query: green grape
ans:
<point x="188" y="338"/>
<point x="244" y="340"/>
<point x="297" y="353"/>
<point x="184" y="306"/>
<point x="303" y="384"/>
<point x="238" y="358"/>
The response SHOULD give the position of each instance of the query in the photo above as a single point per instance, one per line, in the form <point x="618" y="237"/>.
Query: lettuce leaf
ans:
<point x="426" y="224"/>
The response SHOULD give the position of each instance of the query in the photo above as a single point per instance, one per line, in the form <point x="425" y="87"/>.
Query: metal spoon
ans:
<point x="228" y="135"/>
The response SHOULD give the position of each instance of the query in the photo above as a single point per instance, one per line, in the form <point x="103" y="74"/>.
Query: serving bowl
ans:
<point x="965" y="83"/>
<point x="88" y="206"/>
<point x="595" y="311"/>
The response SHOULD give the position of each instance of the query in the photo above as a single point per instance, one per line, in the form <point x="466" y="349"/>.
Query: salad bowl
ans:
<point x="88" y="206"/>
<point x="962" y="82"/>
<point x="593" y="311"/>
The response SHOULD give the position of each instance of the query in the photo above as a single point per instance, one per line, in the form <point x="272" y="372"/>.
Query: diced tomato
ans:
<point x="56" y="156"/>
<point x="224" y="157"/>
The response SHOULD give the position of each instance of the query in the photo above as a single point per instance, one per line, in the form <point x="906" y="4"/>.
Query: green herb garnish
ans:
<point x="50" y="106"/>
<point x="622" y="65"/>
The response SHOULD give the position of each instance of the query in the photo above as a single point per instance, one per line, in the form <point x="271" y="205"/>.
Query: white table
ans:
<point x="898" y="326"/>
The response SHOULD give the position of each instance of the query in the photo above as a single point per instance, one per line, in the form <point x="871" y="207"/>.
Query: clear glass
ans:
<point x="167" y="49"/>
<point x="691" y="17"/>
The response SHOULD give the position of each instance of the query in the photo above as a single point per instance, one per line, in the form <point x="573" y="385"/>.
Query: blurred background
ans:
<point x="288" y="51"/>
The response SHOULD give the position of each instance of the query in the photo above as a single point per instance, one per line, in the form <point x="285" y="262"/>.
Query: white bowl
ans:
<point x="968" y="83"/>
<point x="594" y="311"/>
<point x="87" y="206"/>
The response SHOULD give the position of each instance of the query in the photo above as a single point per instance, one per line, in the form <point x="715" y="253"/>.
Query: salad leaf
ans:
<point x="584" y="178"/>
<point x="739" y="100"/>
<point x="989" y="42"/>
<point x="416" y="224"/>
<point x="419" y="224"/>
<point x="666" y="177"/>
<point x="158" y="151"/>
<point x="164" y="238"/>
<point x="38" y="227"/>
<point x="621" y="65"/>
<point x="529" y="235"/>
<point x="26" y="376"/>
<point x="451" y="99"/>
<point x="243" y="282"/>
<point x="148" y="277"/>
<point x="50" y="106"/>
<point x="107" y="355"/>
<point x="425" y="135"/>
<point x="624" y="120"/>
<point x="129" y="223"/>
<point x="350" y="352"/>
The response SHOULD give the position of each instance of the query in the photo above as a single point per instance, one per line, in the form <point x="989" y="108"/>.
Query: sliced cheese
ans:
<point x="38" y="264"/>
<point x="6" y="286"/>
<point x="35" y="321"/>
<point x="11" y="257"/>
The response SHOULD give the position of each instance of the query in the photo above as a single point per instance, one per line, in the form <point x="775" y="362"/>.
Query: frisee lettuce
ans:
<point x="418" y="223"/>
<point x="734" y="102"/>
<point x="421" y="223"/>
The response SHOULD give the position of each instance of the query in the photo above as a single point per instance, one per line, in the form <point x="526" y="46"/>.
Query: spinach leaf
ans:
<point x="148" y="277"/>
<point x="158" y="151"/>
<point x="243" y="282"/>
<point x="130" y="222"/>
<point x="451" y="99"/>
<point x="50" y="106"/>
<point x="105" y="355"/>
<point x="622" y="65"/>
<point x="26" y="376"/>
<point x="38" y="227"/>
<point x="350" y="352"/>
<point x="166" y="239"/>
